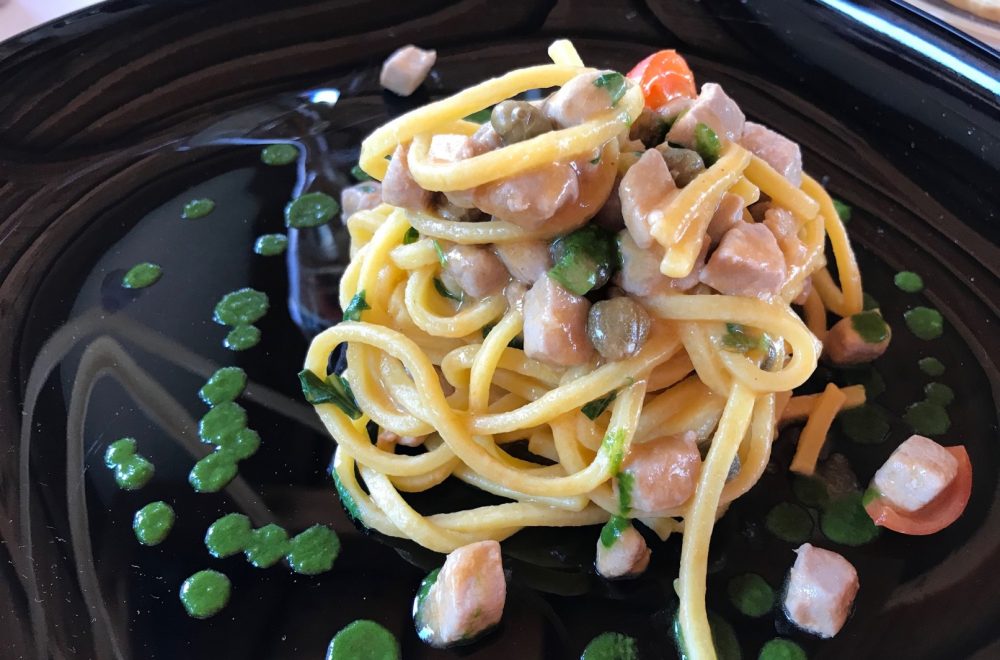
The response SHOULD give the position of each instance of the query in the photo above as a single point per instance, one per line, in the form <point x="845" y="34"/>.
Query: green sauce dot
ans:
<point x="313" y="551"/>
<point x="868" y="377"/>
<point x="810" y="491"/>
<point x="134" y="473"/>
<point x="363" y="640"/>
<point x="205" y="593"/>
<point x="153" y="522"/>
<point x="845" y="521"/>
<point x="279" y="154"/>
<point x="870" y="326"/>
<point x="924" y="322"/>
<point x="119" y="451"/>
<point x="927" y="418"/>
<point x="789" y="522"/>
<point x="213" y="472"/>
<point x="868" y="302"/>
<point x="727" y="647"/>
<point x="866" y="425"/>
<point x="931" y="366"/>
<point x="611" y="646"/>
<point x="939" y="393"/>
<point x="197" y="208"/>
<point x="141" y="275"/>
<point x="266" y="546"/>
<point x="243" y="445"/>
<point x="241" y="307"/>
<point x="242" y="337"/>
<point x="221" y="424"/>
<point x="311" y="210"/>
<point x="271" y="245"/>
<point x="751" y="594"/>
<point x="228" y="535"/>
<point x="909" y="281"/>
<point x="224" y="385"/>
<point x="781" y="649"/>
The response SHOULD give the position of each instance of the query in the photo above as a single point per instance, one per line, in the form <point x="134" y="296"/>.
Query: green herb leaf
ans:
<point x="357" y="305"/>
<point x="442" y="257"/>
<point x="585" y="259"/>
<point x="481" y="116"/>
<point x="594" y="409"/>
<point x="359" y="174"/>
<point x="443" y="291"/>
<point x="333" y="390"/>
<point x="707" y="144"/>
<point x="411" y="236"/>
<point x="843" y="210"/>
<point x="615" y="85"/>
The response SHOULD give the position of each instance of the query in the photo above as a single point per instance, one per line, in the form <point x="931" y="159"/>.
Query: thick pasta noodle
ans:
<point x="451" y="376"/>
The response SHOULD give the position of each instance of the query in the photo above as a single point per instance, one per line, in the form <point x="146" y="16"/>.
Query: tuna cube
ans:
<point x="555" y="324"/>
<point x="916" y="473"/>
<point x="466" y="599"/>
<point x="857" y="339"/>
<point x="821" y="589"/>
<point x="748" y="262"/>
<point x="774" y="149"/>
<point x="628" y="555"/>
<point x="406" y="69"/>
<point x="714" y="109"/>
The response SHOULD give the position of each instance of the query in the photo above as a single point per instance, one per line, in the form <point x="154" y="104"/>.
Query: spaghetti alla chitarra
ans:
<point x="608" y="273"/>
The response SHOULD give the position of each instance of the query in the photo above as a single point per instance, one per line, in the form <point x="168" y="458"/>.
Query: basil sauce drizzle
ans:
<point x="781" y="649"/>
<point x="241" y="309"/>
<point x="844" y="520"/>
<point x="197" y="208"/>
<point x="266" y="546"/>
<point x="153" y="522"/>
<point x="228" y="535"/>
<point x="242" y="337"/>
<point x="908" y="281"/>
<point x="270" y="245"/>
<point x="939" y="393"/>
<point x="866" y="425"/>
<point x="924" y="322"/>
<point x="927" y="418"/>
<point x="613" y="530"/>
<point x="213" y="472"/>
<point x="132" y="470"/>
<point x="142" y="275"/>
<point x="223" y="386"/>
<point x="789" y="522"/>
<point x="931" y="366"/>
<point x="751" y="594"/>
<point x="311" y="210"/>
<point x="363" y="640"/>
<point x="279" y="154"/>
<point x="611" y="646"/>
<point x="205" y="593"/>
<point x="313" y="551"/>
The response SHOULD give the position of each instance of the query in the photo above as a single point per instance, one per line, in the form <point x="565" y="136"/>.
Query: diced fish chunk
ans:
<point x="526" y="260"/>
<point x="775" y="149"/>
<point x="628" y="556"/>
<point x="406" y="69"/>
<point x="467" y="598"/>
<point x="821" y="589"/>
<point x="714" y="109"/>
<point x="530" y="198"/>
<point x="555" y="324"/>
<point x="399" y="187"/>
<point x="748" y="262"/>
<point x="645" y="187"/>
<point x="916" y="473"/>
<point x="578" y="101"/>
<point x="664" y="473"/>
<point x="726" y="216"/>
<point x="360" y="197"/>
<point x="844" y="345"/>
<point x="476" y="270"/>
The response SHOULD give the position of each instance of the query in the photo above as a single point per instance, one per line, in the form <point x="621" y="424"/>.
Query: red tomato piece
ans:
<point x="663" y="76"/>
<point x="942" y="511"/>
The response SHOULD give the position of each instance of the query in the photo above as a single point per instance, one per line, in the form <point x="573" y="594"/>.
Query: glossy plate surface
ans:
<point x="112" y="119"/>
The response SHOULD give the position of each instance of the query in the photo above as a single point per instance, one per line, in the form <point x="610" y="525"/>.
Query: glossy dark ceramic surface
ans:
<point x="113" y="118"/>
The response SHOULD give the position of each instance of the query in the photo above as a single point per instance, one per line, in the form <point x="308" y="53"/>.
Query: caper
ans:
<point x="649" y="128"/>
<point x="617" y="327"/>
<point x="516" y="121"/>
<point x="684" y="164"/>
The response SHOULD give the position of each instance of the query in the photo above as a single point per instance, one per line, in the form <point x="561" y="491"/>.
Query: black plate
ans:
<point x="114" y="117"/>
